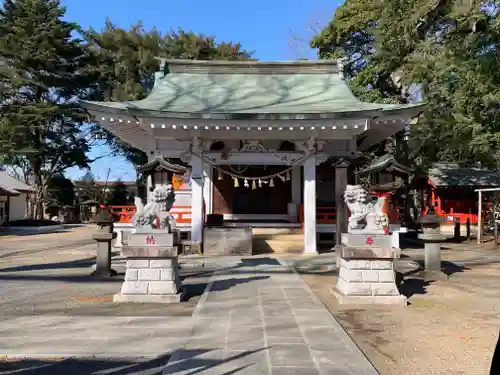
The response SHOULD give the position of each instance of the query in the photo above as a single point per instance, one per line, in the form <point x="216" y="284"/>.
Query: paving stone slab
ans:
<point x="313" y="320"/>
<point x="296" y="371"/>
<point x="205" y="362"/>
<point x="251" y="362"/>
<point x="297" y="355"/>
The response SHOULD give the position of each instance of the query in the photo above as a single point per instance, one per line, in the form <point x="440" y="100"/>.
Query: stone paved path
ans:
<point x="256" y="316"/>
<point x="263" y="319"/>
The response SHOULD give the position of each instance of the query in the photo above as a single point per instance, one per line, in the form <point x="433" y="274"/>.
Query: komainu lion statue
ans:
<point x="155" y="214"/>
<point x="365" y="216"/>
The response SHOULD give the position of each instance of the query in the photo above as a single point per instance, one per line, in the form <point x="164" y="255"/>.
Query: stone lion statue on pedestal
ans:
<point x="155" y="214"/>
<point x="366" y="217"/>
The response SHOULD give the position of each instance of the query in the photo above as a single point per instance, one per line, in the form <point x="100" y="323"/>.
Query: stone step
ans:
<point x="279" y="237"/>
<point x="275" y="231"/>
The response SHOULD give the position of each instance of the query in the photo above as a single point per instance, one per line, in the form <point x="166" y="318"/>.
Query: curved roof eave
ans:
<point x="127" y="109"/>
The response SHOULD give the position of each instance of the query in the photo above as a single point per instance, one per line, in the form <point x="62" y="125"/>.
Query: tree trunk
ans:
<point x="495" y="226"/>
<point x="39" y="194"/>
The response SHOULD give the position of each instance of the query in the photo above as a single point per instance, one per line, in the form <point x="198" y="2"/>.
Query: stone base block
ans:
<point x="156" y="237"/>
<point x="150" y="251"/>
<point x="367" y="240"/>
<point x="148" y="298"/>
<point x="399" y="300"/>
<point x="151" y="280"/>
<point x="368" y="281"/>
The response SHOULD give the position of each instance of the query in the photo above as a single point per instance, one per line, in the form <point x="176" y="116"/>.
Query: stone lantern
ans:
<point x="160" y="172"/>
<point x="432" y="237"/>
<point x="104" y="236"/>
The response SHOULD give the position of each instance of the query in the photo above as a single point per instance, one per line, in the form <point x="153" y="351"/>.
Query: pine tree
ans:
<point x="119" y="194"/>
<point x="447" y="51"/>
<point x="126" y="61"/>
<point x="86" y="188"/>
<point x="42" y="74"/>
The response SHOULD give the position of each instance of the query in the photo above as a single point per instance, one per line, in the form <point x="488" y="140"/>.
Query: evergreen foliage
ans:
<point x="445" y="51"/>
<point x="42" y="74"/>
<point x="127" y="61"/>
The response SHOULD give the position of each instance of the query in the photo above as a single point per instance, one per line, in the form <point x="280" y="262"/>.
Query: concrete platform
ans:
<point x="369" y="300"/>
<point x="148" y="298"/>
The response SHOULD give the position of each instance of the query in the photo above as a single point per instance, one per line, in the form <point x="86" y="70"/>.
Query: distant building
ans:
<point x="14" y="198"/>
<point x="107" y="186"/>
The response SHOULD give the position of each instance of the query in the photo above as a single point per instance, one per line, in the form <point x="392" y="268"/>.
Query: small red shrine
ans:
<point x="450" y="188"/>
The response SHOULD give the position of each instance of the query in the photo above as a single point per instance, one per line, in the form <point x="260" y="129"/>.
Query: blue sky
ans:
<point x="263" y="26"/>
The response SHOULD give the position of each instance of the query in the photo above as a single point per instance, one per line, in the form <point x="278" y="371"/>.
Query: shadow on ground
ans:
<point x="64" y="278"/>
<point x="190" y="362"/>
<point x="447" y="267"/>
<point x="10" y="233"/>
<point x="450" y="268"/>
<point x="196" y="290"/>
<point x="80" y="263"/>
<point x="413" y="285"/>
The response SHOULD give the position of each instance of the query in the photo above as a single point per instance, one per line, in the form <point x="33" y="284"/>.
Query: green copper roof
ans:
<point x="386" y="162"/>
<point x="457" y="175"/>
<point x="250" y="89"/>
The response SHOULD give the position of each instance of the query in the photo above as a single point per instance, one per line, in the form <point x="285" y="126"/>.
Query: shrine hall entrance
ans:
<point x="269" y="197"/>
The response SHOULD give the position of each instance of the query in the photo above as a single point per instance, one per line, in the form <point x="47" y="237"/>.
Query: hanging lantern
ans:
<point x="245" y="184"/>
<point x="271" y="183"/>
<point x="260" y="183"/>
<point x="282" y="178"/>
<point x="219" y="177"/>
<point x="236" y="183"/>
<point x="254" y="185"/>
<point x="287" y="176"/>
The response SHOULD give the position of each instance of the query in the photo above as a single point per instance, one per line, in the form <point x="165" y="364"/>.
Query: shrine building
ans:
<point x="265" y="141"/>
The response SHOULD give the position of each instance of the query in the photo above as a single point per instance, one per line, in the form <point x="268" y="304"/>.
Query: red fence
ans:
<point x="124" y="214"/>
<point x="450" y="210"/>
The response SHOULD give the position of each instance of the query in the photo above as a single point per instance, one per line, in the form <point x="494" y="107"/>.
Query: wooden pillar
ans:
<point x="208" y="172"/>
<point x="310" y="205"/>
<point x="296" y="185"/>
<point x="341" y="179"/>
<point x="197" y="220"/>
<point x="7" y="209"/>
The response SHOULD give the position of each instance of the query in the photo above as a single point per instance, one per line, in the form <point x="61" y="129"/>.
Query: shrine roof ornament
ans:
<point x="387" y="163"/>
<point x="240" y="90"/>
<point x="159" y="163"/>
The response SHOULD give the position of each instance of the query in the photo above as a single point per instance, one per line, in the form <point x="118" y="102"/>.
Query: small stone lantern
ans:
<point x="104" y="236"/>
<point x="432" y="237"/>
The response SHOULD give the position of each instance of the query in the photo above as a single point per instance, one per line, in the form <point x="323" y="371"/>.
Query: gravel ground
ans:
<point x="450" y="327"/>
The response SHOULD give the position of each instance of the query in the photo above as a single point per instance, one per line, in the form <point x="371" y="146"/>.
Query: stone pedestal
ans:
<point x="103" y="256"/>
<point x="152" y="270"/>
<point x="366" y="271"/>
